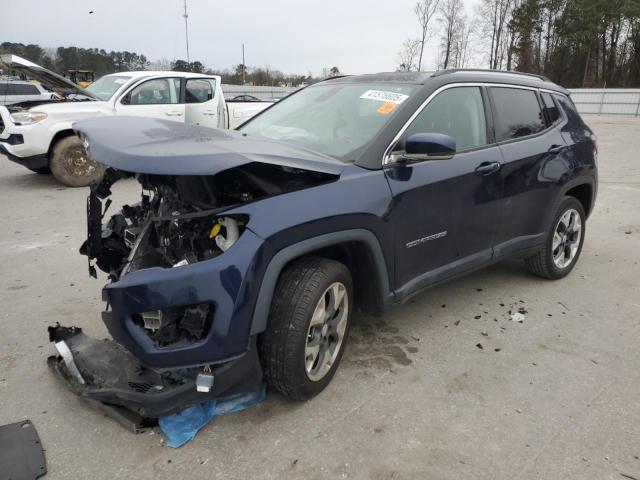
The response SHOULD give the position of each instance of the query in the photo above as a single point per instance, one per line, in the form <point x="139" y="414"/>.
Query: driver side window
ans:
<point x="160" y="91"/>
<point x="457" y="112"/>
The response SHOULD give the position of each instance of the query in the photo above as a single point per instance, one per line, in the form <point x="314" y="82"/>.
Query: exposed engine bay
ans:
<point x="179" y="220"/>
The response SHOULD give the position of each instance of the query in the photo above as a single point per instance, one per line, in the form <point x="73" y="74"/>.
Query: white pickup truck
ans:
<point x="39" y="135"/>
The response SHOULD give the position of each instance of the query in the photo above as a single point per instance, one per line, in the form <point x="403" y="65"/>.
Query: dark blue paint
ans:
<point x="433" y="144"/>
<point x="491" y="202"/>
<point x="151" y="145"/>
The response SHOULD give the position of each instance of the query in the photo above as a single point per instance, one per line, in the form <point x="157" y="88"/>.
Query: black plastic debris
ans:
<point x="21" y="454"/>
<point x="479" y="345"/>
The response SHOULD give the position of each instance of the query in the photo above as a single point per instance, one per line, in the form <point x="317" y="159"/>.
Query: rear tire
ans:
<point x="563" y="242"/>
<point x="72" y="166"/>
<point x="304" y="342"/>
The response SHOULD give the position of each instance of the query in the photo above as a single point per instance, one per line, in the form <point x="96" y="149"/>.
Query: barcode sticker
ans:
<point x="387" y="97"/>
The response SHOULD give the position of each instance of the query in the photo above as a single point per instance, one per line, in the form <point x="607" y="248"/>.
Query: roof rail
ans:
<point x="481" y="70"/>
<point x="336" y="76"/>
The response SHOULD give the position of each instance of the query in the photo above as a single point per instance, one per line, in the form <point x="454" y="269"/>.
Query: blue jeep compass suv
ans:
<point x="249" y="251"/>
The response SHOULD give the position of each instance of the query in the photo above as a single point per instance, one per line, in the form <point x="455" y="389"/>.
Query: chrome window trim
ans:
<point x="387" y="157"/>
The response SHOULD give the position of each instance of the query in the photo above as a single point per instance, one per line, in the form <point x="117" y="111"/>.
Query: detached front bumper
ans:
<point x="103" y="371"/>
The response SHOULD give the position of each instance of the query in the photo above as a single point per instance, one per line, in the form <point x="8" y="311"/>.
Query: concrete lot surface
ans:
<point x="554" y="397"/>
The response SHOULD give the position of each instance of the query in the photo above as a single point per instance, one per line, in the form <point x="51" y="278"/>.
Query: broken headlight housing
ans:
<point x="174" y="326"/>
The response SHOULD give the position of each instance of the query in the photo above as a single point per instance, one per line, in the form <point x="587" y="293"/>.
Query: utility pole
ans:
<point x="186" y="29"/>
<point x="244" y="67"/>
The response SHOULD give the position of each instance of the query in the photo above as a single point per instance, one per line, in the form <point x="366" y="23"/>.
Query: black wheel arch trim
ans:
<point x="575" y="182"/>
<point x="287" y="254"/>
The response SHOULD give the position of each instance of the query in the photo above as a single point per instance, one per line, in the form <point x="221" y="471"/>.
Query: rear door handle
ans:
<point x="173" y="114"/>
<point x="487" y="168"/>
<point x="556" y="148"/>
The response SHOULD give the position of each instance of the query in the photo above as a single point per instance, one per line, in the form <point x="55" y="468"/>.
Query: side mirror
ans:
<point x="429" y="146"/>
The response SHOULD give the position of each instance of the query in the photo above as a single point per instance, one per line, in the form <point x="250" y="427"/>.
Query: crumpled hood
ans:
<point x="49" y="80"/>
<point x="154" y="146"/>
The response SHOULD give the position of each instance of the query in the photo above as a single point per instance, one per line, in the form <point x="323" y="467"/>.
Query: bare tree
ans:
<point x="425" y="10"/>
<point x="463" y="49"/>
<point x="494" y="17"/>
<point x="407" y="57"/>
<point x="452" y="19"/>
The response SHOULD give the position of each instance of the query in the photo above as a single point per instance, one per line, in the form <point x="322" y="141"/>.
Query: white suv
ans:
<point x="42" y="139"/>
<point x="17" y="91"/>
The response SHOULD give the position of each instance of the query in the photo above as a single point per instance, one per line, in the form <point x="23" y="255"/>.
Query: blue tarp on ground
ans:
<point x="183" y="426"/>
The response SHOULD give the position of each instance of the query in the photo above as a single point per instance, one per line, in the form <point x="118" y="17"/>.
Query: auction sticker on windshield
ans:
<point x="387" y="97"/>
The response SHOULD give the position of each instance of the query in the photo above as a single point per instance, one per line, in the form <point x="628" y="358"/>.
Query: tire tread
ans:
<point x="294" y="297"/>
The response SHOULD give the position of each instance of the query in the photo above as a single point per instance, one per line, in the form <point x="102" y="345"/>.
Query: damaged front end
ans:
<point x="183" y="268"/>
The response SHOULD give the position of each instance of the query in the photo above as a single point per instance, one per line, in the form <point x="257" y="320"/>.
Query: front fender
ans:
<point x="286" y="255"/>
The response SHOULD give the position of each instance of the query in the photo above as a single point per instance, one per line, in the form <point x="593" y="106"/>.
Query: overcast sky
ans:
<point x="357" y="36"/>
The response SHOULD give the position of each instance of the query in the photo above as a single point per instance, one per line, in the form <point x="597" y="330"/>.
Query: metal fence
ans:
<point x="610" y="101"/>
<point x="263" y="93"/>
<point x="598" y="101"/>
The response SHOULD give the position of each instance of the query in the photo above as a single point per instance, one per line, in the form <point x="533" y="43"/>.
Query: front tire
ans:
<point x="71" y="164"/>
<point x="563" y="243"/>
<point x="308" y="327"/>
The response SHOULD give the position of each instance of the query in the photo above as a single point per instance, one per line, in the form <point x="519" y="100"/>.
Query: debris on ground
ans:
<point x="183" y="426"/>
<point x="517" y="317"/>
<point x="479" y="345"/>
<point x="21" y="453"/>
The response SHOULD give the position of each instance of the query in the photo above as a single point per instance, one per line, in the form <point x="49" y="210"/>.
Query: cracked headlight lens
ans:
<point x="27" y="118"/>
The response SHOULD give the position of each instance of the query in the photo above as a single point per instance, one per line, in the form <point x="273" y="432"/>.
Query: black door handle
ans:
<point x="556" y="148"/>
<point x="488" y="168"/>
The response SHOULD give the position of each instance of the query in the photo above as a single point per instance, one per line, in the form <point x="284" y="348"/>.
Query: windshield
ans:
<point x="105" y="87"/>
<point x="338" y="120"/>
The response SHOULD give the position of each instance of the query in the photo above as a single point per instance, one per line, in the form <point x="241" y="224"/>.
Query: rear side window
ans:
<point x="21" y="89"/>
<point x="457" y="112"/>
<point x="550" y="108"/>
<point x="569" y="109"/>
<point x="518" y="113"/>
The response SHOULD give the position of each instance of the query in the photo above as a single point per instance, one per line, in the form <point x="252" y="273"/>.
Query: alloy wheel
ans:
<point x="326" y="331"/>
<point x="566" y="238"/>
